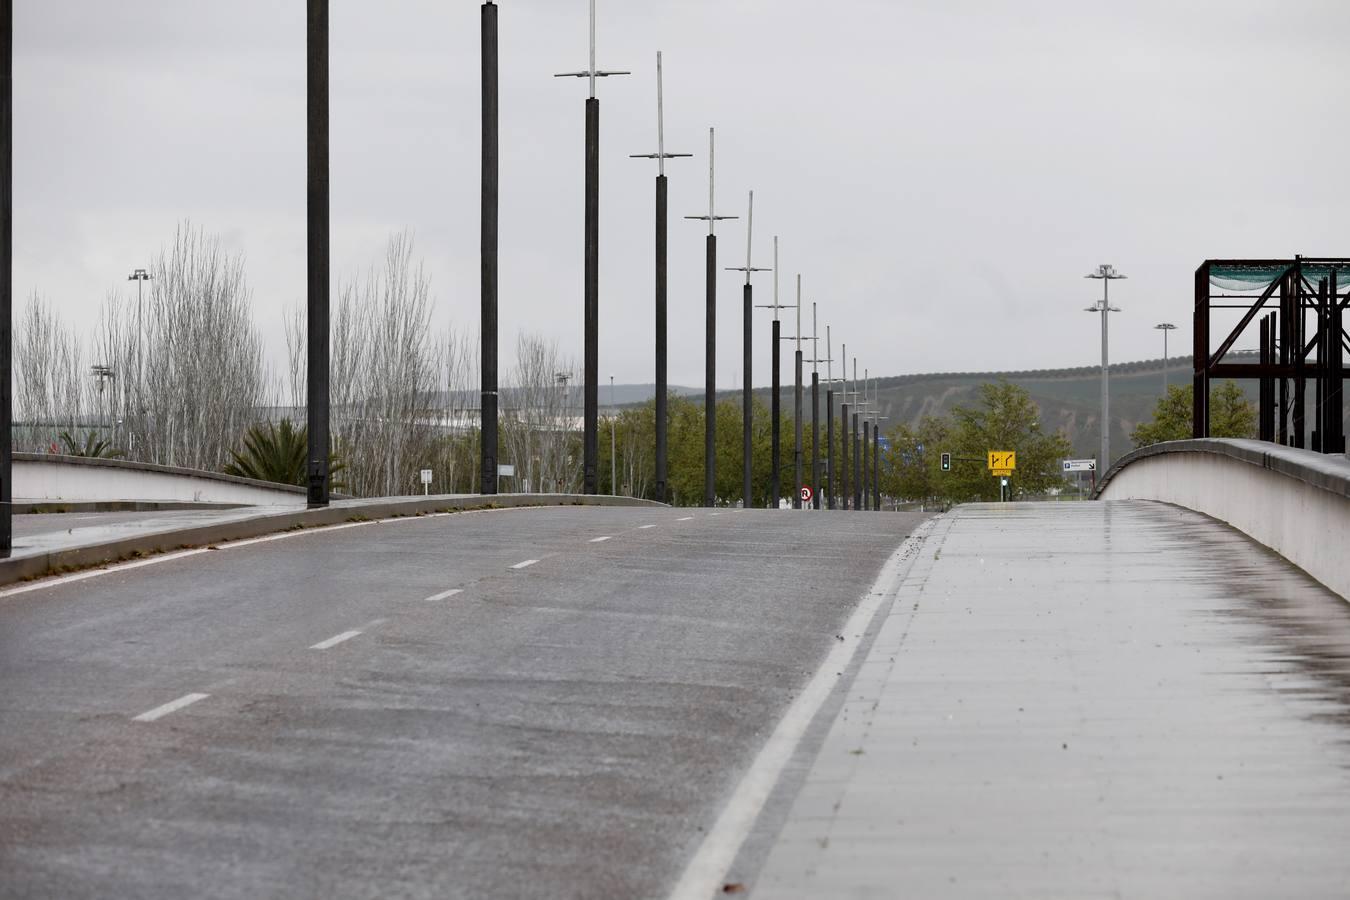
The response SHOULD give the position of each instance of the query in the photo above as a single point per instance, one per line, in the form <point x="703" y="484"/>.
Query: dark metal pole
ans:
<point x="876" y="468"/>
<point x="488" y="254"/>
<point x="1333" y="439"/>
<point x="775" y="478"/>
<point x="6" y="275"/>
<point x="815" y="440"/>
<point x="846" y="452"/>
<point x="857" y="466"/>
<point x="662" y="421"/>
<point x="797" y="436"/>
<point x="710" y="352"/>
<point x="710" y="381"/>
<point x="316" y="47"/>
<point x="865" y="482"/>
<point x="591" y="413"/>
<point x="747" y="409"/>
<point x="830" y="459"/>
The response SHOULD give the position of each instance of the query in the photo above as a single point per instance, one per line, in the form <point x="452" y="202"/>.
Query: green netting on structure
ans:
<point x="1256" y="278"/>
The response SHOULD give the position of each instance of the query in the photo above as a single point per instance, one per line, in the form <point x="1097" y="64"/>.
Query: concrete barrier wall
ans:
<point x="1295" y="502"/>
<point x="49" y="477"/>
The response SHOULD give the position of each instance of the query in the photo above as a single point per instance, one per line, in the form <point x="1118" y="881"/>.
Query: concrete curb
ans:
<point x="139" y="545"/>
<point x="56" y="507"/>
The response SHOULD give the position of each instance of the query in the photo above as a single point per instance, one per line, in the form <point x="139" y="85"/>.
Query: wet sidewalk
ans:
<point x="1119" y="699"/>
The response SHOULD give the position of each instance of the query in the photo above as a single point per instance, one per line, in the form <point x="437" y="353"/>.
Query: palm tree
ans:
<point x="277" y="453"/>
<point x="93" y="446"/>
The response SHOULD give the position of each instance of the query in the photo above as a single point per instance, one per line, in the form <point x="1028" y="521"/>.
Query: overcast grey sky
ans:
<point x="941" y="173"/>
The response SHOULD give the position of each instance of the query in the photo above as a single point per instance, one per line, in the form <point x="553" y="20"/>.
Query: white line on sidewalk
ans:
<point x="704" y="875"/>
<point x="444" y="595"/>
<point x="599" y="540"/>
<point x="160" y="712"/>
<point x="526" y="564"/>
<point x="335" y="640"/>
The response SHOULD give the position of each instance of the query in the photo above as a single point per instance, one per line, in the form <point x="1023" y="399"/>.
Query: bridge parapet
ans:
<point x="51" y="477"/>
<point x="1296" y="502"/>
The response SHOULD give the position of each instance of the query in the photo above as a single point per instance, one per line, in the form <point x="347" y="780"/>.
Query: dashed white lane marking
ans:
<point x="160" y="712"/>
<point x="645" y="527"/>
<point x="686" y="519"/>
<point x="335" y="640"/>
<point x="526" y="564"/>
<point x="599" y="540"/>
<point x="704" y="874"/>
<point x="444" y="595"/>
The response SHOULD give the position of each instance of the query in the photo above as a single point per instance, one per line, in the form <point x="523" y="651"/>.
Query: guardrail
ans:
<point x="1296" y="502"/>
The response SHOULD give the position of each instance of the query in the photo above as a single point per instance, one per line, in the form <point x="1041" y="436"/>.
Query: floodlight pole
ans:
<point x="6" y="277"/>
<point x="1164" y="328"/>
<point x="316" y="324"/>
<point x="799" y="454"/>
<point x="590" y="442"/>
<point x="662" y="416"/>
<point x="747" y="310"/>
<point x="1106" y="274"/>
<point x="775" y="401"/>
<point x="488" y="233"/>
<point x="710" y="326"/>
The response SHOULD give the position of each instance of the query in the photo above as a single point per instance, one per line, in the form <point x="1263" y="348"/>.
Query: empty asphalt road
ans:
<point x="523" y="703"/>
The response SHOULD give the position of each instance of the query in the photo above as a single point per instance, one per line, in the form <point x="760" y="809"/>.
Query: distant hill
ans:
<point x="1069" y="399"/>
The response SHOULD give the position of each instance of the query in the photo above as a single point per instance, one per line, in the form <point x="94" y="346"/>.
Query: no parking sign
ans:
<point x="806" y="493"/>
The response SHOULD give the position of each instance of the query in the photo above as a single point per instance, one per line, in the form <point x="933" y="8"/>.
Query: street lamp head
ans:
<point x="139" y="275"/>
<point x="1105" y="271"/>
<point x="1166" y="326"/>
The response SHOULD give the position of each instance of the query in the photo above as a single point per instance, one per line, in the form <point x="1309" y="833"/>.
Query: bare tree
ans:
<point x="50" y="383"/>
<point x="539" y="420"/>
<point x="189" y="365"/>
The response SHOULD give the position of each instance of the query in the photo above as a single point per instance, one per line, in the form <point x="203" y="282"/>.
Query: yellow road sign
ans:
<point x="1001" y="460"/>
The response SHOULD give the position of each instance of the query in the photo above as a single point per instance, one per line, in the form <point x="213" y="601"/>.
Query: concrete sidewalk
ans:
<point x="1117" y="699"/>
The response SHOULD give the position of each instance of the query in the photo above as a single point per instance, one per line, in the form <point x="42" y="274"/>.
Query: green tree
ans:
<point x="1005" y="418"/>
<point x="1231" y="415"/>
<point x="912" y="468"/>
<point x="93" y="446"/>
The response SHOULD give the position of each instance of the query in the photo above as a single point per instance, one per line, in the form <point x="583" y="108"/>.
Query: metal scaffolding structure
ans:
<point x="1300" y="309"/>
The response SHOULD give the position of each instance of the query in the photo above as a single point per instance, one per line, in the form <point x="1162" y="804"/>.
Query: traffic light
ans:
<point x="946" y="462"/>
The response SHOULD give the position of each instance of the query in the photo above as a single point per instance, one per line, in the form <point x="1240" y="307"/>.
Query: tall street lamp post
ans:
<point x="613" y="424"/>
<point x="1106" y="274"/>
<point x="662" y="417"/>
<point x="776" y="439"/>
<point x="710" y="327"/>
<point x="591" y="450"/>
<point x="6" y="272"/>
<point x="488" y="256"/>
<point x="1165" y="327"/>
<point x="747" y="316"/>
<point x="316" y="324"/>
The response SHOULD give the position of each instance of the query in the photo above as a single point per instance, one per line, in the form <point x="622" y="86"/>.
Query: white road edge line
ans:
<point x="526" y="564"/>
<point x="335" y="640"/>
<point x="59" y="580"/>
<point x="686" y="519"/>
<point x="160" y="712"/>
<point x="444" y="595"/>
<point x="706" y="872"/>
<point x="599" y="540"/>
<point x="645" y="527"/>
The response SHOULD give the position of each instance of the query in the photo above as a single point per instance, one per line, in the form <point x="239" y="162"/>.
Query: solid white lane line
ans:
<point x="706" y="871"/>
<point x="443" y="595"/>
<point x="599" y="540"/>
<point x="526" y="564"/>
<point x="645" y="527"/>
<point x="686" y="519"/>
<point x="160" y="712"/>
<point x="335" y="640"/>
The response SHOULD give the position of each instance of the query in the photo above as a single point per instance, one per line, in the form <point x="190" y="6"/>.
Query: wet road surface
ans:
<point x="1119" y="699"/>
<point x="525" y="703"/>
